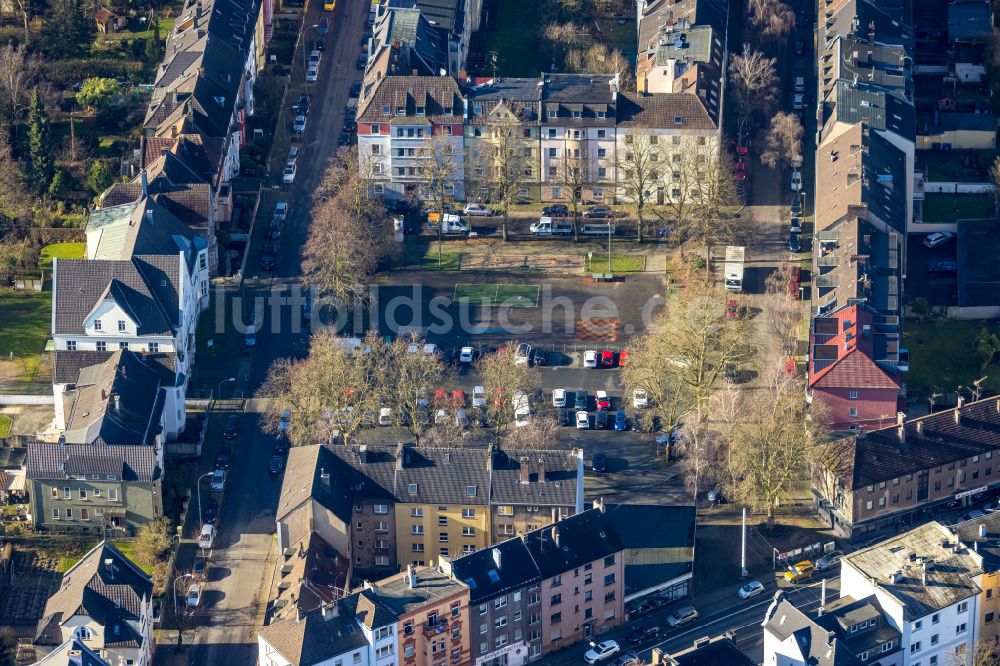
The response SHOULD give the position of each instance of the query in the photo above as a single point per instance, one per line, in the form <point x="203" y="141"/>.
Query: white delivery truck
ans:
<point x="453" y="224"/>
<point x="546" y="226"/>
<point x="735" y="258"/>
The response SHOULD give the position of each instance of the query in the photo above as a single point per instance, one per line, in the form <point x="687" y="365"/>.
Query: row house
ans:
<point x="386" y="507"/>
<point x="417" y="618"/>
<point x="105" y="602"/>
<point x="578" y="133"/>
<point x="875" y="482"/>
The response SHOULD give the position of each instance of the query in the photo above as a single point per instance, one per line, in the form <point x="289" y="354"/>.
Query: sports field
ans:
<point x="509" y="295"/>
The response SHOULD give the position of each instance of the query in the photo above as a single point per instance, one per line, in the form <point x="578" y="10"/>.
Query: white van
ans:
<point x="546" y="226"/>
<point x="598" y="229"/>
<point x="207" y="537"/>
<point x="251" y="337"/>
<point x="453" y="224"/>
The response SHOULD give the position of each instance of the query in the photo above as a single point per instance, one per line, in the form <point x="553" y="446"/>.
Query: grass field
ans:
<point x="27" y="318"/>
<point x="5" y="424"/>
<point x="127" y="547"/>
<point x="516" y="39"/>
<point x="510" y="295"/>
<point x="940" y="355"/>
<point x="619" y="264"/>
<point x="60" y="251"/>
<point x="946" y="208"/>
<point x="448" y="261"/>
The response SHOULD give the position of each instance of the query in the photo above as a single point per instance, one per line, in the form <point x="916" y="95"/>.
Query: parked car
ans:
<point x="602" y="651"/>
<point x="321" y="44"/>
<point x="274" y="231"/>
<point x="640" y="399"/>
<point x="522" y="356"/>
<point x="559" y="397"/>
<point x="312" y="74"/>
<point x="793" y="243"/>
<point x="795" y="225"/>
<point x="556" y="210"/>
<point x="799" y="47"/>
<point x="267" y="259"/>
<point x="281" y="208"/>
<point x="621" y="421"/>
<point x="622" y="358"/>
<point x="601" y="419"/>
<point x="355" y="88"/>
<point x="285" y="421"/>
<point x="580" y="402"/>
<point x="800" y="571"/>
<point x="829" y="560"/>
<point x="796" y="181"/>
<point x="598" y="212"/>
<point x="607" y="359"/>
<point x="299" y="126"/>
<point x="362" y="60"/>
<point x="590" y="359"/>
<point x="582" y="421"/>
<point x="232" y="430"/>
<point x="751" y="589"/>
<point x="288" y="175"/>
<point x="798" y="102"/>
<point x="796" y="204"/>
<point x="538" y="357"/>
<point x="323" y="27"/>
<point x="479" y="397"/>
<point x="641" y="635"/>
<point x="682" y="616"/>
<point x="942" y="267"/>
<point x="315" y="57"/>
<point x="938" y="238"/>
<point x="277" y="465"/>
<point x="302" y="106"/>
<point x="599" y="461"/>
<point x="218" y="480"/>
<point x="602" y="399"/>
<point x="200" y="563"/>
<point x="466" y="355"/>
<point x="222" y="460"/>
<point x="193" y="595"/>
<point x="477" y="210"/>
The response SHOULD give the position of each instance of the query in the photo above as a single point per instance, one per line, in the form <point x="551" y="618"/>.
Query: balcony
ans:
<point x="435" y="629"/>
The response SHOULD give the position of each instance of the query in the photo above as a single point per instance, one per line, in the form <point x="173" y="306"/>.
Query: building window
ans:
<point x="416" y="529"/>
<point x="468" y="513"/>
<point x="500" y="602"/>
<point x="853" y="411"/>
<point x="376" y="129"/>
<point x="69" y="514"/>
<point x="113" y="494"/>
<point x="505" y="510"/>
<point x="556" y="581"/>
<point x="960" y="629"/>
<point x="935" y="618"/>
<point x="154" y="347"/>
<point x="442" y="537"/>
<point x="442" y="521"/>
<point x="97" y="324"/>
<point x="408" y="650"/>
<point x="500" y="622"/>
<point x="121" y="325"/>
<point x="416" y="513"/>
<point x="55" y="514"/>
<point x="55" y="493"/>
<point x="989" y="618"/>
<point x="84" y="514"/>
<point x="935" y="638"/>
<point x="418" y="547"/>
<point x="501" y="640"/>
<point x="380" y="508"/>
<point x="962" y="607"/>
<point x="915" y="647"/>
<point x="71" y="345"/>
<point x="555" y="617"/>
<point x="83" y="493"/>
<point x="468" y="531"/>
<point x="853" y="394"/>
<point x="102" y="346"/>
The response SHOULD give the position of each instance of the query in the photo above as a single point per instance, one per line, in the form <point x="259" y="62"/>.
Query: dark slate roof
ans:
<point x="438" y="95"/>
<point x="314" y="638"/>
<point x="12" y="457"/>
<point x="497" y="570"/>
<point x="422" y="46"/>
<point x="662" y="111"/>
<point x="561" y="470"/>
<point x="313" y="472"/>
<point x="978" y="270"/>
<point x="119" y="401"/>
<point x="969" y="20"/>
<point x="857" y="261"/>
<point x="887" y="21"/>
<point x="446" y="14"/>
<point x="59" y="461"/>
<point x="864" y="103"/>
<point x="73" y="652"/>
<point x="720" y="651"/>
<point x="988" y="545"/>
<point x="884" y="184"/>
<point x="658" y="542"/>
<point x="107" y="595"/>
<point x="520" y="96"/>
<point x="365" y="607"/>
<point x="582" y="538"/>
<point x="68" y="364"/>
<point x="431" y="586"/>
<point x="145" y="285"/>
<point x="928" y="441"/>
<point x="563" y="95"/>
<point x="843" y="613"/>
<point x="815" y="645"/>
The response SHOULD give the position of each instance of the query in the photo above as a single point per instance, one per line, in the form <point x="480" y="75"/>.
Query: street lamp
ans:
<point x="198" y="485"/>
<point x="218" y="392"/>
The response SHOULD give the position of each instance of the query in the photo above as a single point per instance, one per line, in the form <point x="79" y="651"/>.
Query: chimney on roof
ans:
<point x="411" y="576"/>
<point x="958" y="409"/>
<point x="923" y="574"/>
<point x="830" y="637"/>
<point x="541" y="470"/>
<point x="145" y="183"/>
<point x="329" y="611"/>
<point x="524" y="470"/>
<point x="555" y="535"/>
<point x="982" y="530"/>
<point x="900" y="418"/>
<point x="919" y="425"/>
<point x="599" y="504"/>
<point x="116" y="401"/>
<point x="496" y="557"/>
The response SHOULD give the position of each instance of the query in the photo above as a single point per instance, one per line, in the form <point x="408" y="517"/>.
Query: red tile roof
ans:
<point x="854" y="366"/>
<point x="854" y="371"/>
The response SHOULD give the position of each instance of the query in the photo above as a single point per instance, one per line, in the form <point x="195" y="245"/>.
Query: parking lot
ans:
<point x="940" y="289"/>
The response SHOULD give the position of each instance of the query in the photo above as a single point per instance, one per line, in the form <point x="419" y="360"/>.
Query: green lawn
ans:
<point x="60" y="251"/>
<point x="448" y="261"/>
<point x="510" y="295"/>
<point x="946" y="208"/>
<point x="516" y="39"/>
<point x="941" y="357"/>
<point x="27" y="318"/>
<point x="623" y="263"/>
<point x="126" y="546"/>
<point x="5" y="424"/>
<point x="956" y="165"/>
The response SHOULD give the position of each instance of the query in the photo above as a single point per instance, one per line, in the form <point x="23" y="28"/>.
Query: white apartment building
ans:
<point x="323" y="631"/>
<point x="925" y="582"/>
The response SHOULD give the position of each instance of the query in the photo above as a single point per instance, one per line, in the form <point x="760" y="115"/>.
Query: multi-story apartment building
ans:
<point x="93" y="488"/>
<point x="982" y="537"/>
<point x="925" y="583"/>
<point x="846" y="631"/>
<point x="432" y="611"/>
<point x="106" y="602"/>
<point x="876" y="482"/>
<point x="385" y="507"/>
<point x="321" y="637"/>
<point x="404" y="121"/>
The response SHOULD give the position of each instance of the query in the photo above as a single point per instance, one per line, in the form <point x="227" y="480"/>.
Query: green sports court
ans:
<point x="509" y="295"/>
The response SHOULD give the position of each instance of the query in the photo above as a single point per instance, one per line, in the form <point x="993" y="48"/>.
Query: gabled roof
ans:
<point x="572" y="542"/>
<point x="146" y="285"/>
<point x="421" y="45"/>
<point x="315" y="637"/>
<point x="437" y="96"/>
<point x="844" y="353"/>
<point x="578" y="99"/>
<point x="558" y="487"/>
<point x="855" y="261"/>
<point x="920" y="444"/>
<point x="815" y="644"/>
<point x="68" y="364"/>
<point x="104" y="586"/>
<point x="119" y="401"/>
<point x="48" y="462"/>
<point x="365" y="607"/>
<point x="73" y="652"/>
<point x="496" y="570"/>
<point x="309" y="475"/>
<point x="680" y="111"/>
<point x="144" y="227"/>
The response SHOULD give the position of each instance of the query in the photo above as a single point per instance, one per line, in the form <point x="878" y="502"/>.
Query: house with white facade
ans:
<point x="106" y="602"/>
<point x="925" y="581"/>
<point x="321" y="637"/>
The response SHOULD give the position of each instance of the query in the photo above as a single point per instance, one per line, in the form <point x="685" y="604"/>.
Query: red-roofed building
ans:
<point x="854" y="367"/>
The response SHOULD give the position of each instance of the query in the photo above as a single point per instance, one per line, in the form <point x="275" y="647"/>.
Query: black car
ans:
<point x="199" y="566"/>
<point x="274" y="232"/>
<point x="793" y="243"/>
<point x="222" y="461"/>
<point x="232" y="427"/>
<point x="355" y="88"/>
<point x="581" y="400"/>
<point x="601" y="423"/>
<point x="321" y="45"/>
<point x="796" y="204"/>
<point x="556" y="210"/>
<point x="281" y="448"/>
<point x="302" y="107"/>
<point x="267" y="259"/>
<point x="209" y="514"/>
<point x="942" y="267"/>
<point x="344" y="139"/>
<point x="362" y="60"/>
<point x="641" y="635"/>
<point x="599" y="461"/>
<point x="277" y="465"/>
<point x="323" y="27"/>
<point x="565" y="417"/>
<point x="539" y="357"/>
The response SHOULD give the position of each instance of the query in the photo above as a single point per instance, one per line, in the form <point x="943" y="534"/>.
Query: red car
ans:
<point x="732" y="309"/>
<point x="622" y="358"/>
<point x="794" y="282"/>
<point x="440" y="398"/>
<point x="457" y="398"/>
<point x="602" y="399"/>
<point x="607" y="359"/>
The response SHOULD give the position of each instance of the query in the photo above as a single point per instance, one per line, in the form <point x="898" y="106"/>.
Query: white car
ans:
<point x="559" y="398"/>
<point x="315" y="57"/>
<point x="523" y="354"/>
<point x="440" y="416"/>
<point x="519" y="400"/>
<point x="477" y="210"/>
<point x="751" y="589"/>
<point x="602" y="651"/>
<point x="285" y="421"/>
<point x="582" y="421"/>
<point x="288" y="175"/>
<point x="466" y="355"/>
<point x="522" y="416"/>
<point x="430" y="348"/>
<point x="312" y="74"/>
<point x="194" y="595"/>
<point x="590" y="359"/>
<point x="218" y="480"/>
<point x="280" y="211"/>
<point x="479" y="397"/>
<point x="299" y="126"/>
<point x="640" y="399"/>
<point x="796" y="183"/>
<point x="938" y="238"/>
<point x="293" y="155"/>
<point x="385" y="416"/>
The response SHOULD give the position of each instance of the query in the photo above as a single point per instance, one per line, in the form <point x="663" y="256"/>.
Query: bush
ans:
<point x="67" y="73"/>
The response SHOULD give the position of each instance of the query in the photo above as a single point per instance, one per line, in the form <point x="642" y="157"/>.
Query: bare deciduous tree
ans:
<point x="542" y="432"/>
<point x="502" y="377"/>
<point x="502" y="160"/>
<point x="640" y="171"/>
<point x="572" y="176"/>
<point x="783" y="140"/>
<point x="413" y="375"/>
<point x="772" y="18"/>
<point x="782" y="312"/>
<point x="705" y="202"/>
<point x="754" y="85"/>
<point x="438" y="174"/>
<point x="17" y="74"/>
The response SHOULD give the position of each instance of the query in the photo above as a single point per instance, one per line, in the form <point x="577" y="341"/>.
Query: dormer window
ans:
<point x="678" y="120"/>
<point x="400" y="110"/>
<point x="420" y="110"/>
<point x="601" y="114"/>
<point x="577" y="114"/>
<point x="386" y="109"/>
<point x="97" y="324"/>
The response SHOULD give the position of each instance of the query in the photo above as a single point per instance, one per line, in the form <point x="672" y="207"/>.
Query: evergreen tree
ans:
<point x="154" y="45"/>
<point x="99" y="177"/>
<point x="41" y="166"/>
<point x="68" y="30"/>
